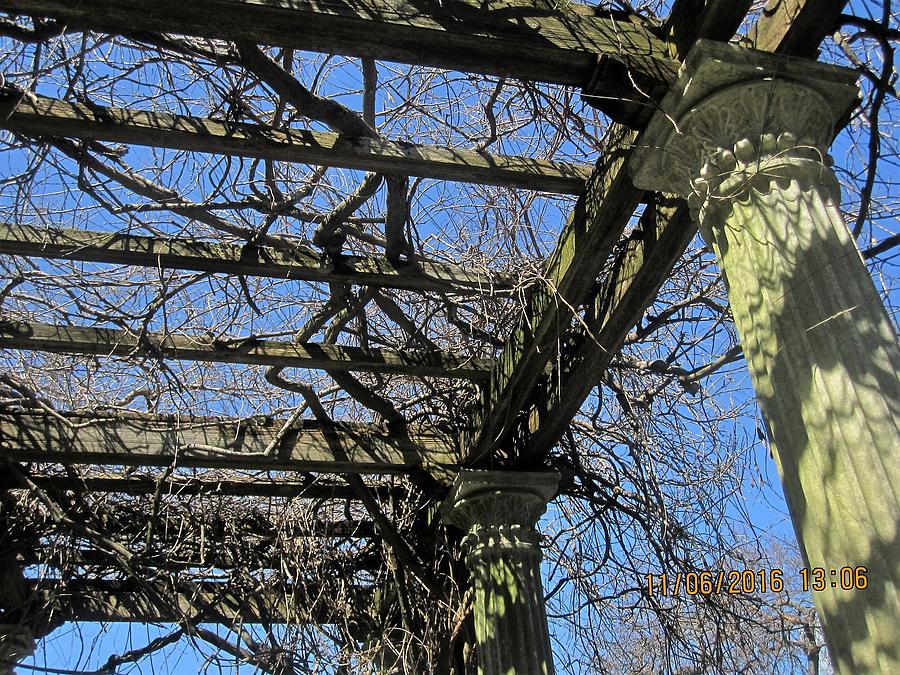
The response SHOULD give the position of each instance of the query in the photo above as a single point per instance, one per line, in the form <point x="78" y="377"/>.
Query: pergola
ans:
<point x="739" y="134"/>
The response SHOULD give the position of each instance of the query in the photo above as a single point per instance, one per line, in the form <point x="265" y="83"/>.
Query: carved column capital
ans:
<point x="498" y="511"/>
<point x="738" y="120"/>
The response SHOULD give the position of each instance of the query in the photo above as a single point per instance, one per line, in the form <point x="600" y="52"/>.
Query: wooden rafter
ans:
<point x="550" y="365"/>
<point x="261" y="261"/>
<point x="42" y="116"/>
<point x="692" y="19"/>
<point x="553" y="43"/>
<point x="796" y="27"/>
<point x="116" y="342"/>
<point x="267" y="553"/>
<point x="209" y="602"/>
<point x="213" y="443"/>
<point x="588" y="348"/>
<point x="232" y="486"/>
<point x="581" y="251"/>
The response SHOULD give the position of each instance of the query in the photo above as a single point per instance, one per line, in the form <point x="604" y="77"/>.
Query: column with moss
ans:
<point x="498" y="511"/>
<point x="744" y="136"/>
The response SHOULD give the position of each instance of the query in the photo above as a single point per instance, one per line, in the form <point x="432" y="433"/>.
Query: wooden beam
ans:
<point x="540" y="379"/>
<point x="796" y="27"/>
<point x="174" y="486"/>
<point x="152" y="602"/>
<point x="115" y="342"/>
<point x="184" y="559"/>
<point x="525" y="40"/>
<point x="578" y="259"/>
<point x="587" y="349"/>
<point x="193" y="254"/>
<point x="214" y="443"/>
<point x="692" y="19"/>
<point x="33" y="115"/>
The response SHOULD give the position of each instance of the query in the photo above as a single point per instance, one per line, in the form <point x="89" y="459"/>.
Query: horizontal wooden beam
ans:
<point x="151" y="602"/>
<point x="526" y="40"/>
<point x="193" y="254"/>
<point x="712" y="19"/>
<point x="41" y="116"/>
<point x="174" y="486"/>
<point x="184" y="559"/>
<point x="213" y="443"/>
<point x="115" y="342"/>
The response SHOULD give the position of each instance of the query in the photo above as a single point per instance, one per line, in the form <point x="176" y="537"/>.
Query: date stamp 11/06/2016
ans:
<point x="738" y="582"/>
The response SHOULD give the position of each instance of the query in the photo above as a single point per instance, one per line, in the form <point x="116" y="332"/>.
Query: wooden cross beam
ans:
<point x="189" y="486"/>
<point x="115" y="342"/>
<point x="550" y="365"/>
<point x="581" y="251"/>
<point x="524" y="40"/>
<point x="266" y="553"/>
<point x="41" y="116"/>
<point x="233" y="444"/>
<point x="193" y="254"/>
<point x="205" y="602"/>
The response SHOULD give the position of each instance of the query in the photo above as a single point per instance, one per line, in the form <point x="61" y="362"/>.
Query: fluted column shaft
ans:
<point x="498" y="511"/>
<point x="747" y="145"/>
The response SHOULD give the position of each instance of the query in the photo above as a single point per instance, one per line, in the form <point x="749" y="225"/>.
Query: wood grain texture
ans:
<point x="193" y="254"/>
<point x="65" y="339"/>
<point x="140" y="440"/>
<point x="795" y="27"/>
<point x="42" y="116"/>
<point x="525" y="40"/>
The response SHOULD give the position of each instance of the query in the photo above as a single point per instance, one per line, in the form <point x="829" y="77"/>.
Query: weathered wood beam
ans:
<point x="213" y="443"/>
<point x="193" y="254"/>
<point x="115" y="342"/>
<point x="209" y="602"/>
<point x="541" y="377"/>
<point x="177" y="562"/>
<point x="795" y="27"/>
<point x="34" y="115"/>
<point x="514" y="39"/>
<point x="184" y="558"/>
<point x="578" y="259"/>
<point x="589" y="347"/>
<point x="690" y="20"/>
<point x="628" y="96"/>
<point x="188" y="487"/>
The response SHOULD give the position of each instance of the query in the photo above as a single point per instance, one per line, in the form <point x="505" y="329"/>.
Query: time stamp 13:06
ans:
<point x="754" y="581"/>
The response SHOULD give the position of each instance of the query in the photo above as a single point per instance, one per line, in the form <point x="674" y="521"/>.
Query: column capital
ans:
<point x="498" y="510"/>
<point x="495" y="498"/>
<point x="738" y="118"/>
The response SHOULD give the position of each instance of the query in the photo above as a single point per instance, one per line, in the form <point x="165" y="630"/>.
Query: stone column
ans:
<point x="744" y="136"/>
<point x="498" y="510"/>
